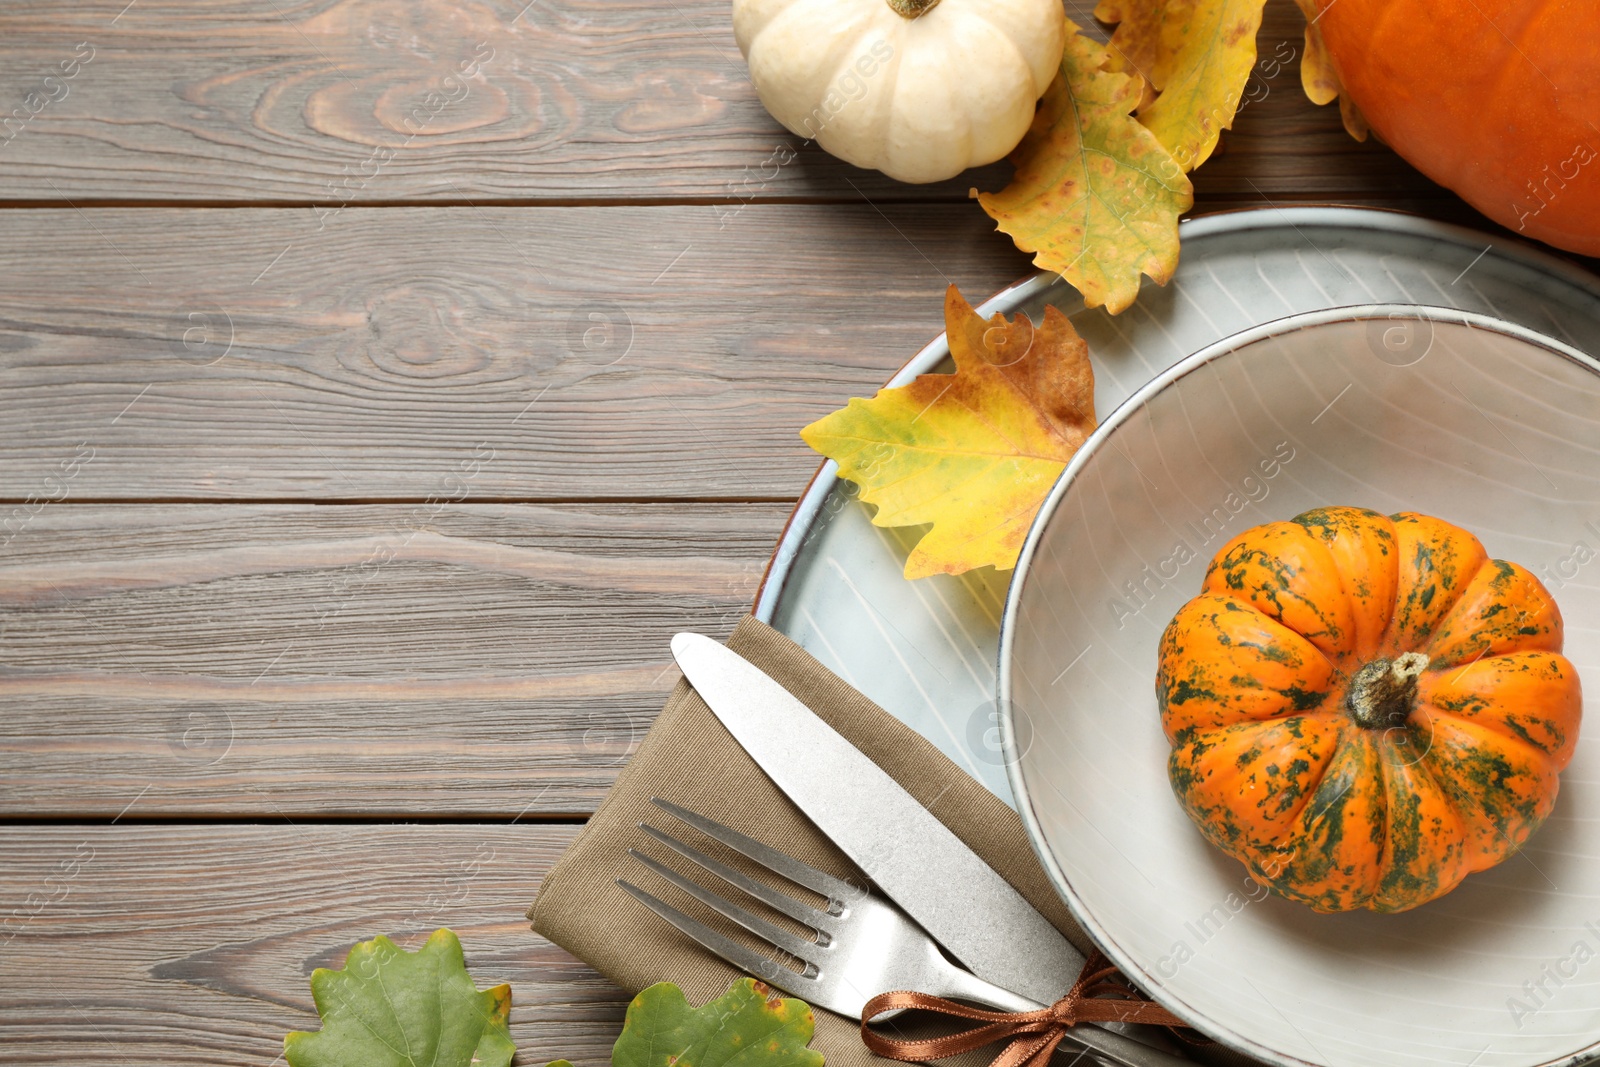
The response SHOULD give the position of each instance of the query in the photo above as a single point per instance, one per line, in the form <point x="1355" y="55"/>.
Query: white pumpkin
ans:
<point x="918" y="90"/>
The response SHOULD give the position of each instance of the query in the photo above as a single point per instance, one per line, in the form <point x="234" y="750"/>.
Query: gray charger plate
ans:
<point x="926" y="650"/>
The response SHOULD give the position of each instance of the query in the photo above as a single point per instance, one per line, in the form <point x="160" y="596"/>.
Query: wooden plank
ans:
<point x="194" y="944"/>
<point x="557" y="353"/>
<point x="464" y="660"/>
<point x="561" y="353"/>
<point x="361" y="101"/>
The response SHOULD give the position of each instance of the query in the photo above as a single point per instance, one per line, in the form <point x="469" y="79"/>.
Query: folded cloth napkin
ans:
<point x="691" y="760"/>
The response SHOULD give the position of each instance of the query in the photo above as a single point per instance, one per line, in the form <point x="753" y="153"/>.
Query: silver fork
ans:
<point x="864" y="945"/>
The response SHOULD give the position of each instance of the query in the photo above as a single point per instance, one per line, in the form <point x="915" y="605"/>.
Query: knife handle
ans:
<point x="1104" y="1045"/>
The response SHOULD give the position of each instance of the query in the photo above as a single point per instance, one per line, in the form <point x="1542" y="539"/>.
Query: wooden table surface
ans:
<point x="366" y="431"/>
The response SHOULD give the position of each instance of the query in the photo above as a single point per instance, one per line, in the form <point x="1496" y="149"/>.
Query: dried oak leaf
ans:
<point x="1197" y="54"/>
<point x="391" y="1008"/>
<point x="975" y="452"/>
<point x="1095" y="196"/>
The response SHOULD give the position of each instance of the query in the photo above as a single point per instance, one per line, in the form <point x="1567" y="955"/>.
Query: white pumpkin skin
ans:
<point x="921" y="99"/>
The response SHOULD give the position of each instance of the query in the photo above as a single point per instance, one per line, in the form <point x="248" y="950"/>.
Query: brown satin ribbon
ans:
<point x="1096" y="997"/>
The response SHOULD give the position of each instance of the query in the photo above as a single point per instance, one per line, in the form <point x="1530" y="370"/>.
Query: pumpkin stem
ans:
<point x="911" y="8"/>
<point x="1384" y="692"/>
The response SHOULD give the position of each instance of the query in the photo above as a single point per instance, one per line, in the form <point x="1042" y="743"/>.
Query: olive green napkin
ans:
<point x="690" y="759"/>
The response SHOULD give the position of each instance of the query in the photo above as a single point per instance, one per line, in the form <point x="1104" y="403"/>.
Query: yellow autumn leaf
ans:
<point x="1197" y="54"/>
<point x="1320" y="80"/>
<point x="1095" y="196"/>
<point x="1354" y="121"/>
<point x="975" y="452"/>
<point x="1317" y="76"/>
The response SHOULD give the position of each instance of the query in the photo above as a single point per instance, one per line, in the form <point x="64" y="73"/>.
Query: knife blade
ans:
<point x="913" y="857"/>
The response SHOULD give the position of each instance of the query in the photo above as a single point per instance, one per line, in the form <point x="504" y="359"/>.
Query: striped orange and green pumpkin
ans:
<point x="1365" y="709"/>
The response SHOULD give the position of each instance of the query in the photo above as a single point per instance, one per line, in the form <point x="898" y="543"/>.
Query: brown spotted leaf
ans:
<point x="1095" y="196"/>
<point x="975" y="452"/>
<point x="1197" y="54"/>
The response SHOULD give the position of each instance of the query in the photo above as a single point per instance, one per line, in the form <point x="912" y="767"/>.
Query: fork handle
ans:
<point x="1105" y="1045"/>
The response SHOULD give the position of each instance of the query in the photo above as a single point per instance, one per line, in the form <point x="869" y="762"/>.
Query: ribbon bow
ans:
<point x="1096" y="997"/>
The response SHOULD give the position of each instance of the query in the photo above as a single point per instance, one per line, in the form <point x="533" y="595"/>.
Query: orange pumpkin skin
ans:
<point x="1498" y="100"/>
<point x="1366" y="709"/>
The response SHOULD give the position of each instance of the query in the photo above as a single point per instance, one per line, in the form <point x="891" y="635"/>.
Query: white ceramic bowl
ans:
<point x="1483" y="424"/>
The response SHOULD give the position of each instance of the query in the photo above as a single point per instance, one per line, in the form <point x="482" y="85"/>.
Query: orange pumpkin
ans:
<point x="1366" y="709"/>
<point x="1496" y="99"/>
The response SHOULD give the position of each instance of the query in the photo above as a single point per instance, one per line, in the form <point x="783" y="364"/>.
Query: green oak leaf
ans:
<point x="393" y="1008"/>
<point x="748" y="1026"/>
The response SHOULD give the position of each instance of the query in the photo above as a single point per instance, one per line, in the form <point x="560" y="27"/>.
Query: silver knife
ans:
<point x="913" y="857"/>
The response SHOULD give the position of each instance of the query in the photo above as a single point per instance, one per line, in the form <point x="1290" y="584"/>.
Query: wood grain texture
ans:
<point x="477" y="660"/>
<point x="195" y="944"/>
<point x="360" y="101"/>
<point x="561" y="353"/>
<point x="435" y="645"/>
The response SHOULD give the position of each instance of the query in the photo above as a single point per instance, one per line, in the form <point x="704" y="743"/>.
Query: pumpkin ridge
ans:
<point x="1436" y="556"/>
<point x="1264" y="557"/>
<point x="891" y="72"/>
<point x="1405" y="879"/>
<point x="747" y="29"/>
<point x="1326" y="524"/>
<point x="1251" y="567"/>
<point x="1281" y="798"/>
<point x="1507" y="587"/>
<point x="1016" y="50"/>
<point x="1413" y="867"/>
<point x="1309" y="866"/>
<point x="853" y="46"/>
<point x="1379" y="791"/>
<point x="1493" y="805"/>
<point x="794" y="18"/>
<point x="1506" y="725"/>
<point x="1175" y="689"/>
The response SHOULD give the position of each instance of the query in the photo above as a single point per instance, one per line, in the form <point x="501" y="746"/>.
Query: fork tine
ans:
<point x="820" y="921"/>
<point x="769" y="971"/>
<point x="783" y="939"/>
<point x="770" y="858"/>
